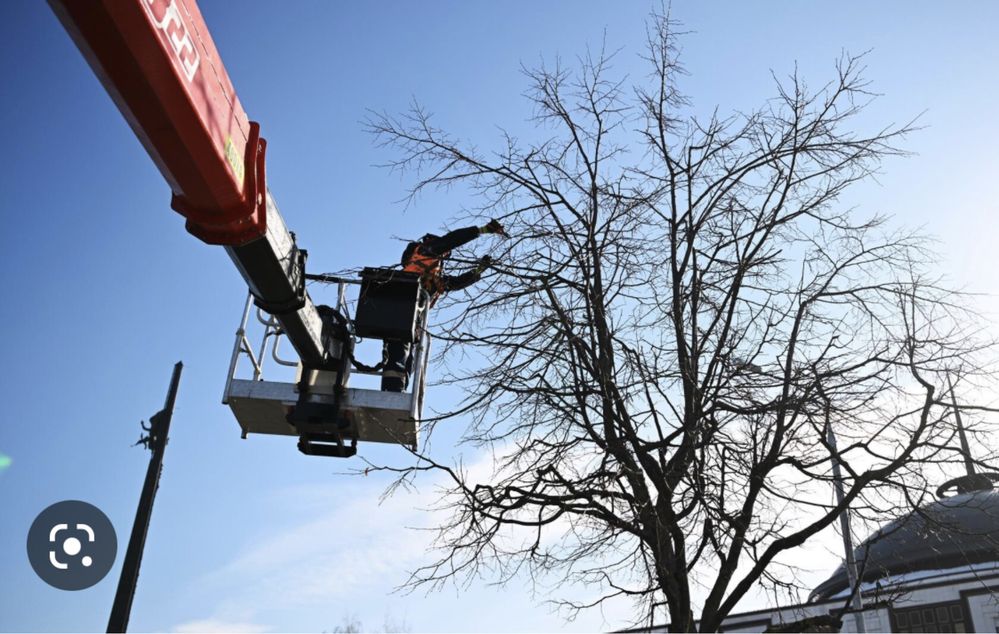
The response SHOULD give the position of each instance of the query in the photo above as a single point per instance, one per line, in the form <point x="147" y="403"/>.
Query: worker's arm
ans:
<point x="458" y="282"/>
<point x="459" y="237"/>
<point x="452" y="240"/>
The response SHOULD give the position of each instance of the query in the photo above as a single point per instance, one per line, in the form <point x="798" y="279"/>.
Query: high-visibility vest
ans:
<point x="429" y="267"/>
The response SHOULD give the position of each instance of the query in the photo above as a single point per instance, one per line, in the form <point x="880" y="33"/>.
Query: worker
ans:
<point x="426" y="257"/>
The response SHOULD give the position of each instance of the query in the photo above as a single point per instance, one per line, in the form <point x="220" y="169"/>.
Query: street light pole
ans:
<point x="155" y="441"/>
<point x="844" y="523"/>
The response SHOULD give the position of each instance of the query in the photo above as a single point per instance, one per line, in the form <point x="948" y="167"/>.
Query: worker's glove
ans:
<point x="493" y="226"/>
<point x="484" y="263"/>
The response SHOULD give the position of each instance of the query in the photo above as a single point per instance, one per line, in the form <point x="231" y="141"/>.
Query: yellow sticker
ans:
<point x="235" y="160"/>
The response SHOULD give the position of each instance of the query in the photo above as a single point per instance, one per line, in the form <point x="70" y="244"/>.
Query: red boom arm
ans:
<point x="158" y="62"/>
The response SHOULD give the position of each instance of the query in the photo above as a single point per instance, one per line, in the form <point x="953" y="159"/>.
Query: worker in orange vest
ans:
<point x="427" y="257"/>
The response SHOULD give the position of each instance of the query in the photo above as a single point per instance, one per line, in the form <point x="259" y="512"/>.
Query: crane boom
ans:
<point x="157" y="60"/>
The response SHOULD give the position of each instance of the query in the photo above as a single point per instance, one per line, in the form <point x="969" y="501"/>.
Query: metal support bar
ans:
<point x="236" y="347"/>
<point x="420" y="385"/>
<point x="277" y="358"/>
<point x="969" y="464"/>
<point x="263" y="348"/>
<point x="156" y="441"/>
<point x="330" y="279"/>
<point x="844" y="524"/>
<point x="242" y="345"/>
<point x="258" y="370"/>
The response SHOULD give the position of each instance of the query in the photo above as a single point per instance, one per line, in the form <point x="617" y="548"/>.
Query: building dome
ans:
<point x="950" y="533"/>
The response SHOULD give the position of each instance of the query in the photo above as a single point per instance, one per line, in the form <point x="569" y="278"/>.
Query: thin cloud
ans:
<point x="214" y="625"/>
<point x="355" y="547"/>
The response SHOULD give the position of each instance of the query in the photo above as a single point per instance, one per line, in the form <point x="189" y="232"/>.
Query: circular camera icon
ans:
<point x="72" y="545"/>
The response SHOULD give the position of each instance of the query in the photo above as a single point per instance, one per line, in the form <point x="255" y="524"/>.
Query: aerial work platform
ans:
<point x="320" y="407"/>
<point x="159" y="64"/>
<point x="261" y="407"/>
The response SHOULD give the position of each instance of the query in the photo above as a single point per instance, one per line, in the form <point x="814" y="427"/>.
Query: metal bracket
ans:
<point x="151" y="429"/>
<point x="243" y="222"/>
<point x="321" y="429"/>
<point x="310" y="447"/>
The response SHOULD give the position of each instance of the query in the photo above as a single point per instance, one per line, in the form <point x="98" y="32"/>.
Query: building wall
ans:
<point x="984" y="608"/>
<point x="978" y="594"/>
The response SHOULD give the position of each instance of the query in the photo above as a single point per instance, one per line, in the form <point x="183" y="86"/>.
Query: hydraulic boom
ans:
<point x="158" y="62"/>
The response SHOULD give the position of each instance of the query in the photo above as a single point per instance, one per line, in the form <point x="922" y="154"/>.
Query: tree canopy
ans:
<point x="682" y="312"/>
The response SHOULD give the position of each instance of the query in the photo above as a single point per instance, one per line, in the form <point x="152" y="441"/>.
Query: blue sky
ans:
<point x="103" y="290"/>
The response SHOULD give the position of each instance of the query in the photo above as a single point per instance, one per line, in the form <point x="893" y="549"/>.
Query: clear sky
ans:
<point x="103" y="290"/>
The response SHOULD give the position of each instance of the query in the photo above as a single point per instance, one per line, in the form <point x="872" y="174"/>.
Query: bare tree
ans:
<point x="681" y="312"/>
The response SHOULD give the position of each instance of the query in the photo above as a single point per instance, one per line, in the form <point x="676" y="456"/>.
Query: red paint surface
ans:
<point x="157" y="60"/>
